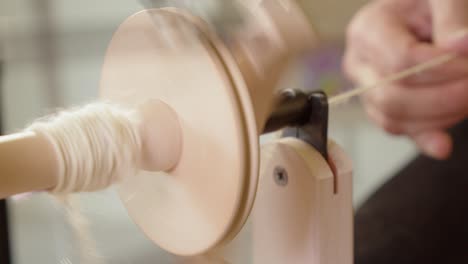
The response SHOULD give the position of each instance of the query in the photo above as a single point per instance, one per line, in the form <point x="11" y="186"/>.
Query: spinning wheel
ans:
<point x="217" y="100"/>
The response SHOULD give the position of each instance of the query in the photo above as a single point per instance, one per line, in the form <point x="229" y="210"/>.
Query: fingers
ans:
<point x="436" y="144"/>
<point x="381" y="43"/>
<point x="359" y="71"/>
<point x="409" y="126"/>
<point x="403" y="102"/>
<point x="428" y="135"/>
<point x="387" y="40"/>
<point x="389" y="45"/>
<point x="420" y="53"/>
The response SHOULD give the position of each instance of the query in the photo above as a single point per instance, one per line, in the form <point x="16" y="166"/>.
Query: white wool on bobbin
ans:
<point x="96" y="146"/>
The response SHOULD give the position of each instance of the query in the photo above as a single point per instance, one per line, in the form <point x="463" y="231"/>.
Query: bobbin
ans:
<point x="220" y="98"/>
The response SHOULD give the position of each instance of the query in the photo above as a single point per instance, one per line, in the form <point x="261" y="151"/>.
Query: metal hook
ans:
<point x="304" y="116"/>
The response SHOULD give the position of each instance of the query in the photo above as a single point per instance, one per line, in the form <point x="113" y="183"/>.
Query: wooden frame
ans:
<point x="4" y="234"/>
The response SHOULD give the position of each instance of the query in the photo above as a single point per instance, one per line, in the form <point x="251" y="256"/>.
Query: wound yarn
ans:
<point x="96" y="146"/>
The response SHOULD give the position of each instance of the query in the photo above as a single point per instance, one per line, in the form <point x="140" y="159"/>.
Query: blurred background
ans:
<point x="51" y="52"/>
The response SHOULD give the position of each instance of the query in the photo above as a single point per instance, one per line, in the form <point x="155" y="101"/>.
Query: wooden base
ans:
<point x="297" y="217"/>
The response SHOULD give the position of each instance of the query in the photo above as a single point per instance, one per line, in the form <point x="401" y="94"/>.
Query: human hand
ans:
<point x="388" y="36"/>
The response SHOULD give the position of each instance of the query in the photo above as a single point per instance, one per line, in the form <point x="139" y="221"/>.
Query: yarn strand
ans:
<point x="336" y="100"/>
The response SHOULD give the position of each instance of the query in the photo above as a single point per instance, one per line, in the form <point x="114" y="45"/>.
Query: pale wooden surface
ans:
<point x="303" y="221"/>
<point x="161" y="144"/>
<point x="275" y="33"/>
<point x="27" y="163"/>
<point x="157" y="54"/>
<point x="172" y="56"/>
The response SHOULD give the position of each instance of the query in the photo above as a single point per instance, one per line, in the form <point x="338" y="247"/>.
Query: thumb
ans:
<point x="450" y="23"/>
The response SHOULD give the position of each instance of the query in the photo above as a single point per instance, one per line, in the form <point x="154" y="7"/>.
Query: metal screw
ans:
<point x="281" y="176"/>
